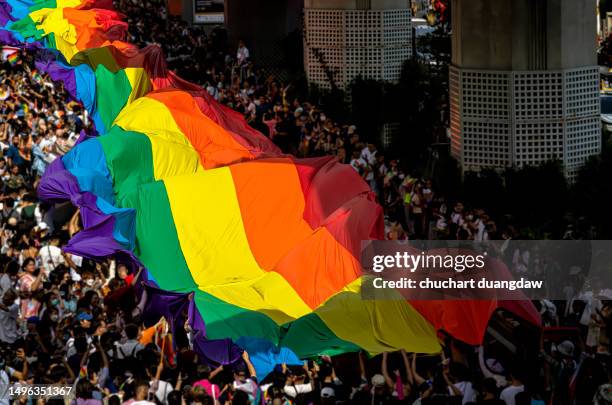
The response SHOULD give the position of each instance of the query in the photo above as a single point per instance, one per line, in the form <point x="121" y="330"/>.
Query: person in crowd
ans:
<point x="515" y="386"/>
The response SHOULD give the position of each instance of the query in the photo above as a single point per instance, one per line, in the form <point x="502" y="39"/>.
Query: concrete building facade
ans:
<point x="262" y="24"/>
<point x="344" y="39"/>
<point x="524" y="83"/>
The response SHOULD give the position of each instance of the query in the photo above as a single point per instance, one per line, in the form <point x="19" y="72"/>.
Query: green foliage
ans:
<point x="604" y="7"/>
<point x="592" y="193"/>
<point x="333" y="102"/>
<point x="447" y="175"/>
<point x="421" y="95"/>
<point x="415" y="102"/>
<point x="536" y="198"/>
<point x="368" y="106"/>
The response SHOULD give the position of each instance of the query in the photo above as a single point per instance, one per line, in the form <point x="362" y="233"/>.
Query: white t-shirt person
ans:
<point x="51" y="257"/>
<point x="242" y="55"/>
<point x="469" y="395"/>
<point x="508" y="394"/>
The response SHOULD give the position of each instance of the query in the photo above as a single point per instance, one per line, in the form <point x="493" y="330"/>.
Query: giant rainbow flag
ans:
<point x="264" y="245"/>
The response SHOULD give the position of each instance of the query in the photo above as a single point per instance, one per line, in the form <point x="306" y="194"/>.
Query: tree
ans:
<point x="419" y="97"/>
<point x="367" y="106"/>
<point x="333" y="102"/>
<point x="486" y="190"/>
<point x="447" y="175"/>
<point x="592" y="193"/>
<point x="538" y="197"/>
<point x="604" y="7"/>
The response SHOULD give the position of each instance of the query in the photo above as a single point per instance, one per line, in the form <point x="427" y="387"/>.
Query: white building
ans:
<point x="524" y="83"/>
<point x="344" y="39"/>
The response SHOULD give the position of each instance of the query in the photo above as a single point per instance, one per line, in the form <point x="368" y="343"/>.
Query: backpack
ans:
<point x="128" y="362"/>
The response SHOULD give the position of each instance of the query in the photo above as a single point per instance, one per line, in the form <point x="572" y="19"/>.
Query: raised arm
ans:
<point x="103" y="355"/>
<point x="452" y="386"/>
<point x="179" y="382"/>
<point x="143" y="301"/>
<point x="85" y="356"/>
<point x="160" y="365"/>
<point x="418" y="380"/>
<point x="362" y="367"/>
<point x="38" y="280"/>
<point x="215" y="372"/>
<point x="309" y="374"/>
<point x="483" y="367"/>
<point x="385" y="371"/>
<point x="247" y="360"/>
<point x="23" y="374"/>
<point x="137" y="275"/>
<point x="73" y="227"/>
<point x="71" y="376"/>
<point x="407" y="367"/>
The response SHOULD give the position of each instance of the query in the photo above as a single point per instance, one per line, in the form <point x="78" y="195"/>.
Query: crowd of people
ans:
<point x="68" y="320"/>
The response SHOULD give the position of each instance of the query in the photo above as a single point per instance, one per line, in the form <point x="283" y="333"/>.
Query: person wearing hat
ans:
<point x="566" y="349"/>
<point x="84" y="320"/>
<point x="562" y="367"/>
<point x="328" y="396"/>
<point x="378" y="385"/>
<point x="41" y="230"/>
<point x="603" y="394"/>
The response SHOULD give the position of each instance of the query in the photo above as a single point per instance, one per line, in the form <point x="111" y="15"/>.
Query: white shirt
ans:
<point x="508" y="394"/>
<point x="70" y="349"/>
<point x="457" y="218"/>
<point x="480" y="232"/>
<point x="368" y="156"/>
<point x="469" y="395"/>
<point x="242" y="55"/>
<point x="358" y="164"/>
<point x="294" y="390"/>
<point x="51" y="257"/>
<point x="45" y="143"/>
<point x="163" y="389"/>
<point x="76" y="277"/>
<point x="247" y="386"/>
<point x="77" y="260"/>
